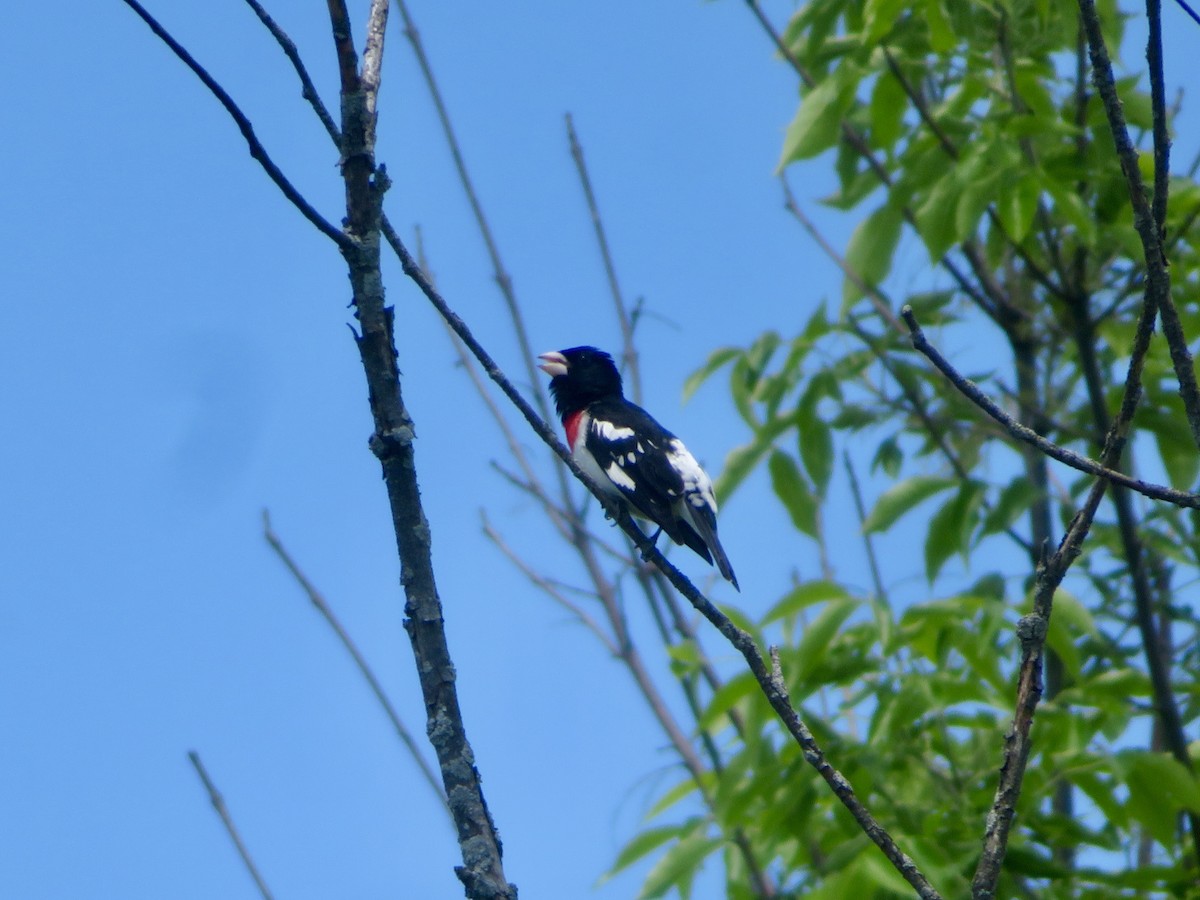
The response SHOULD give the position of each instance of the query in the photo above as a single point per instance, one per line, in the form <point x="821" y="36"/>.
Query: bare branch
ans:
<point x="1158" y="278"/>
<point x="482" y="872"/>
<point x="309" y="90"/>
<point x="881" y="302"/>
<point x="1033" y="628"/>
<point x="1158" y="103"/>
<point x="549" y="588"/>
<point x="256" y="148"/>
<point x="373" y="53"/>
<point x="868" y="544"/>
<point x="318" y="600"/>
<point x="343" y="42"/>
<point x="1187" y="9"/>
<point x="218" y="803"/>
<point x="1027" y="435"/>
<point x="1168" y="726"/>
<point x="503" y="279"/>
<point x="629" y="354"/>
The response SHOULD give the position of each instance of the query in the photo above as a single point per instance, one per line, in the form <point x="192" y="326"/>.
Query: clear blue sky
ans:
<point x="174" y="358"/>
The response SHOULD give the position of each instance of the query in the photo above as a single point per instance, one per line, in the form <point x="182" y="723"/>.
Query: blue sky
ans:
<point x="175" y="359"/>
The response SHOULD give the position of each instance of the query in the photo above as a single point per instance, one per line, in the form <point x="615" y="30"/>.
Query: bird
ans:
<point x="629" y="456"/>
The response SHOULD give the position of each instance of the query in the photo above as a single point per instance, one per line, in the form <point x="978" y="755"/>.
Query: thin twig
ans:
<point x="860" y="509"/>
<point x="318" y="600"/>
<point x="987" y="294"/>
<point x="1031" y="631"/>
<point x="308" y="89"/>
<point x="218" y="803"/>
<point x="1187" y="9"/>
<point x="503" y="279"/>
<point x="373" y="56"/>
<point x="1033" y="628"/>
<point x="882" y="304"/>
<point x="1158" y="278"/>
<point x="482" y="872"/>
<point x="918" y="407"/>
<point x="1158" y="105"/>
<point x="1027" y="435"/>
<point x="256" y="148"/>
<point x="510" y="438"/>
<point x="549" y="588"/>
<point x="1138" y="558"/>
<point x="629" y="354"/>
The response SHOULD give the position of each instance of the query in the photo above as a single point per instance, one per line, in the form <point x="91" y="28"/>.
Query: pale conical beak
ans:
<point x="553" y="363"/>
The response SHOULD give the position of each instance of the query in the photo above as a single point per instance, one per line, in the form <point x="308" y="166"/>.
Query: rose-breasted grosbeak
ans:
<point x="630" y="456"/>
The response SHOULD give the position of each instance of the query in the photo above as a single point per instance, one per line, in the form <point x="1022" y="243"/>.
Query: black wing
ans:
<point x="631" y="448"/>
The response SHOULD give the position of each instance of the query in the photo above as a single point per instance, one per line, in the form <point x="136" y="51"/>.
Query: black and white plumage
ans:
<point x="629" y="456"/>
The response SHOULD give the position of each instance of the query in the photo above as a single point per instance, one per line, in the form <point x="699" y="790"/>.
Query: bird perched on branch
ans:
<point x="629" y="456"/>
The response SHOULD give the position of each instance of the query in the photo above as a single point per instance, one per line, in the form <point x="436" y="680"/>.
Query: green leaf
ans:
<point x="1017" y="205"/>
<point x="1074" y="209"/>
<point x="685" y="657"/>
<point x="742" y="381"/>
<point x="728" y="695"/>
<point x="941" y="33"/>
<point x="789" y="485"/>
<point x="1070" y="611"/>
<point x="871" y="248"/>
<point x="818" y="122"/>
<point x="888" y="457"/>
<point x="817" y="637"/>
<point x="936" y="217"/>
<point x="671" y="797"/>
<point x="887" y="108"/>
<point x="816" y="446"/>
<point x="1159" y="787"/>
<point x="951" y="527"/>
<point x="1175" y="445"/>
<point x="741" y="461"/>
<point x="642" y="844"/>
<point x="715" y="361"/>
<point x="880" y="17"/>
<point x="973" y="201"/>
<point x="1101" y="790"/>
<point x="1014" y="499"/>
<point x="802" y="596"/>
<point x="679" y="865"/>
<point x="903" y="497"/>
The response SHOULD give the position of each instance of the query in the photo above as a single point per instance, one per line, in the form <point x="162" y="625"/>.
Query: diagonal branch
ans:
<point x="218" y="803"/>
<point x="482" y="872"/>
<point x="1027" y="435"/>
<point x="503" y="279"/>
<point x="392" y="443"/>
<point x="318" y="600"/>
<point x="1032" y="629"/>
<point x="629" y="354"/>
<point x="549" y="588"/>
<point x="256" y="148"/>
<point x="1158" y="279"/>
<point x="308" y="89"/>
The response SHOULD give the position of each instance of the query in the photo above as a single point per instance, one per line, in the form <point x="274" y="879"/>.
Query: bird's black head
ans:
<point x="579" y="376"/>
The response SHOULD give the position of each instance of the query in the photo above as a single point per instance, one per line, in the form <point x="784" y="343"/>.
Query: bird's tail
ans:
<point x="722" y="561"/>
<point x="701" y="527"/>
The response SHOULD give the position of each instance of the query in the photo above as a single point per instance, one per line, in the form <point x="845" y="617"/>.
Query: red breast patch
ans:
<point x="571" y="424"/>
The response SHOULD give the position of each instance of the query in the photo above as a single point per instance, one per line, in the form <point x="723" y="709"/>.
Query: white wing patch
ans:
<point x="619" y="476"/>
<point x="611" y="432"/>
<point x="697" y="486"/>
